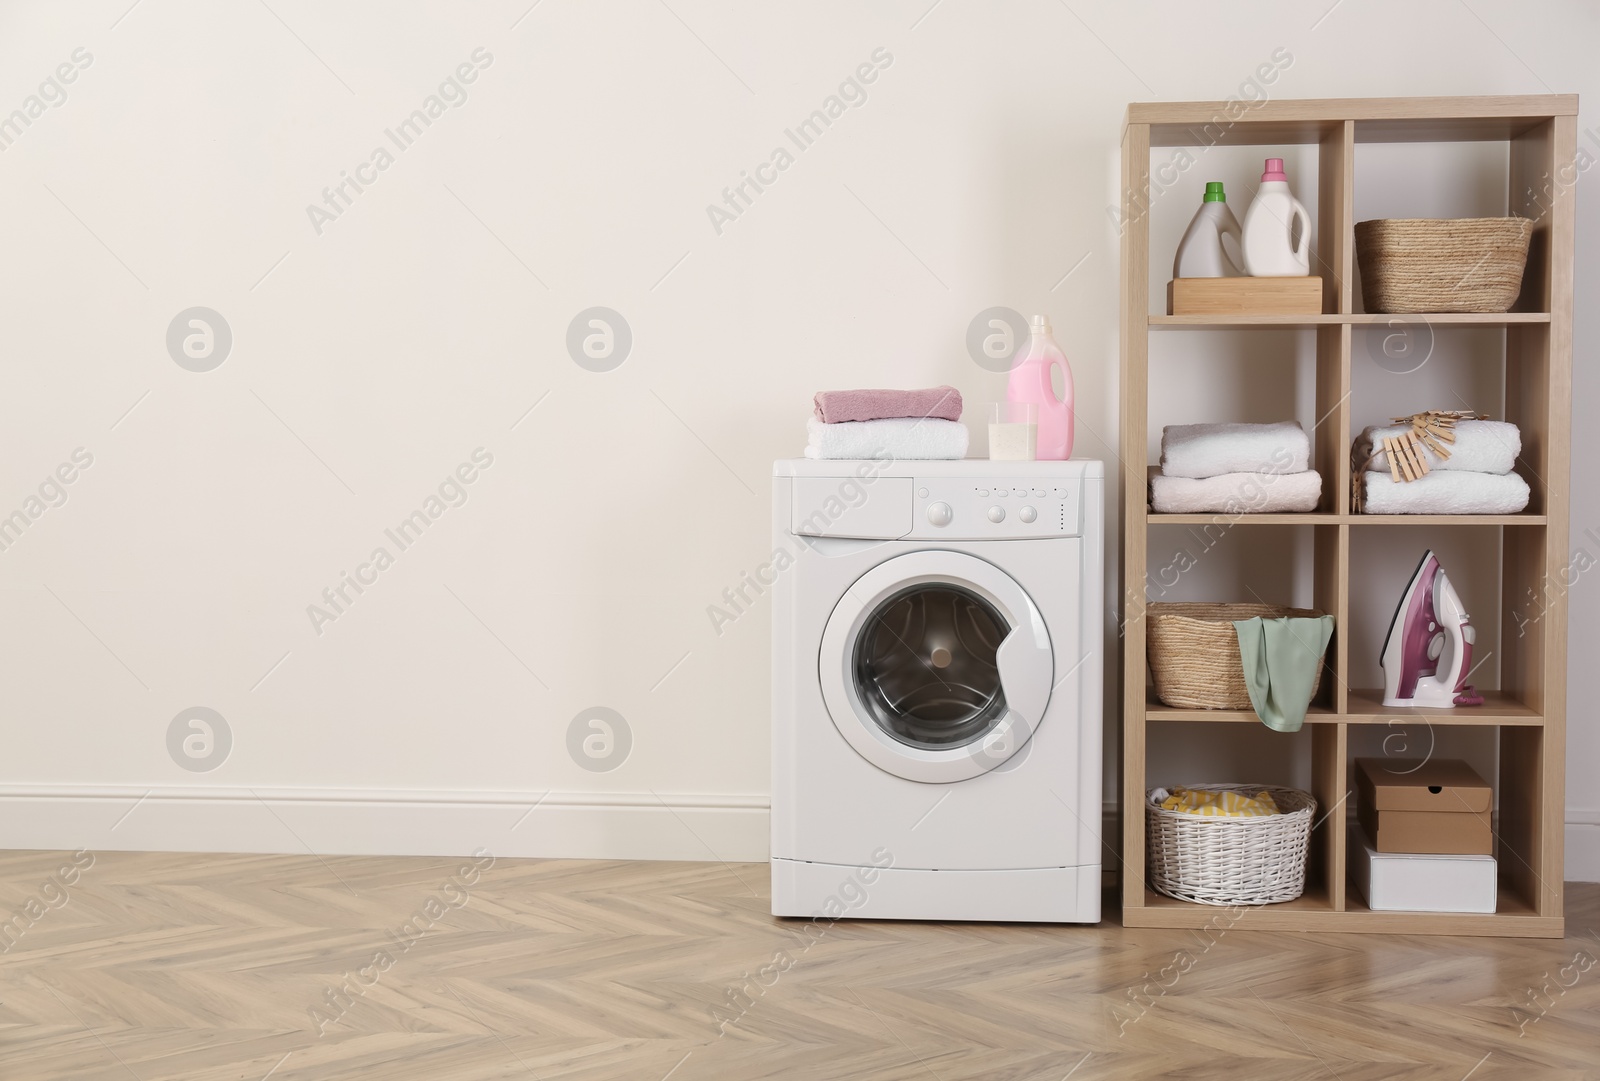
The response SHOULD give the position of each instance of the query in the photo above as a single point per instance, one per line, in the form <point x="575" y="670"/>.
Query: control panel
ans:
<point x="995" y="509"/>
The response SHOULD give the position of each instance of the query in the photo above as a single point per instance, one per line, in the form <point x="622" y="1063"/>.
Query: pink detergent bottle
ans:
<point x="1030" y="382"/>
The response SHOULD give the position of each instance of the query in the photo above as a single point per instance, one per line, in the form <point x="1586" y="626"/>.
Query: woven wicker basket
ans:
<point x="1442" y="265"/>
<point x="1194" y="652"/>
<point x="1231" y="861"/>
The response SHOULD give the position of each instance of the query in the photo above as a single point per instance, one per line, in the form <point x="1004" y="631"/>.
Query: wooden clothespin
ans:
<point x="1406" y="460"/>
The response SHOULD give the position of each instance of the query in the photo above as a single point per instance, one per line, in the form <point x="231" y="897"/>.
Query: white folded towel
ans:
<point x="1211" y="450"/>
<point x="1447" y="493"/>
<point x="1236" y="493"/>
<point x="1481" y="446"/>
<point x="901" y="438"/>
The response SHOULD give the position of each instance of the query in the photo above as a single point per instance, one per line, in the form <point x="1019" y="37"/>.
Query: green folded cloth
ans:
<point x="1281" y="658"/>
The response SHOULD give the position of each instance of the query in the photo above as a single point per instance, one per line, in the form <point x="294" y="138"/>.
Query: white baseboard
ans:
<point x="367" y="822"/>
<point x="1583" y="846"/>
<point x="623" y="826"/>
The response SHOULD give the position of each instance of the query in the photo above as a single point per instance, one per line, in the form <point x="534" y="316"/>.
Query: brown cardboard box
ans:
<point x="1436" y="806"/>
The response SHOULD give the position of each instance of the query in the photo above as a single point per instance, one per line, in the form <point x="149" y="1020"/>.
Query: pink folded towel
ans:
<point x="843" y="406"/>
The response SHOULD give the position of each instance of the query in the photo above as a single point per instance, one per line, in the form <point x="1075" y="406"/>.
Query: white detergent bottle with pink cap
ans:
<point x="1270" y="250"/>
<point x="1030" y="382"/>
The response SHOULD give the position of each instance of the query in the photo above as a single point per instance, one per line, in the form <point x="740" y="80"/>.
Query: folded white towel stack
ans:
<point x="1235" y="469"/>
<point x="1447" y="493"/>
<point x="1481" y="446"/>
<point x="919" y="438"/>
<point x="1236" y="493"/>
<point x="1475" y="479"/>
<point x="1211" y="450"/>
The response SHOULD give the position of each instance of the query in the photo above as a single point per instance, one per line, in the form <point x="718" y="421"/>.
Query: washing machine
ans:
<point x="936" y="689"/>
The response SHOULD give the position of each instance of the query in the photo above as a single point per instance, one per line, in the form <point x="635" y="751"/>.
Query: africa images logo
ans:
<point x="451" y="94"/>
<point x="852" y="93"/>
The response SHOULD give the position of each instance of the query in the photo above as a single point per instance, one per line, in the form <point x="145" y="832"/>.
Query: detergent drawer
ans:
<point x="870" y="508"/>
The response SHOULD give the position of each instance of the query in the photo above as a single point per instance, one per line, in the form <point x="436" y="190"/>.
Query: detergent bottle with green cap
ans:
<point x="1271" y="248"/>
<point x="1212" y="246"/>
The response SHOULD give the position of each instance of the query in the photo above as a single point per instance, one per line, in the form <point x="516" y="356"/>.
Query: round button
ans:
<point x="940" y="513"/>
<point x="922" y="493"/>
<point x="1028" y="514"/>
<point x="997" y="514"/>
<point x="1435" y="647"/>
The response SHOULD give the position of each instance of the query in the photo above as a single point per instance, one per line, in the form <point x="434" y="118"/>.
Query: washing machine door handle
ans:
<point x="1026" y="668"/>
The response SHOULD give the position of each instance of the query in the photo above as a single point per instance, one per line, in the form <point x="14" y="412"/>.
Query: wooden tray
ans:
<point x="1245" y="296"/>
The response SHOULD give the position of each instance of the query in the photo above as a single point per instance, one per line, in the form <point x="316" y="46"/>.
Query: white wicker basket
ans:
<point x="1216" y="860"/>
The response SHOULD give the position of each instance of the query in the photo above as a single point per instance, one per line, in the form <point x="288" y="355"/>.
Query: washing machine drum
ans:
<point x="925" y="666"/>
<point x="936" y="666"/>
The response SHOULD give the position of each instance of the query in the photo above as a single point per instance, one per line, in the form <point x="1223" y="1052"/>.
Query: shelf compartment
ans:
<point x="1498" y="709"/>
<point x="1171" y="196"/>
<point x="1280" y="372"/>
<point x="1529" y="837"/>
<point x="1383" y="561"/>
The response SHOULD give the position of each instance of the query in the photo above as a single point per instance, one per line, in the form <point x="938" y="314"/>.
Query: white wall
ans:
<point x="371" y="360"/>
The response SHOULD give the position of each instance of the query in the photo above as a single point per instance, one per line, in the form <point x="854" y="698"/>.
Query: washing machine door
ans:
<point x="936" y="666"/>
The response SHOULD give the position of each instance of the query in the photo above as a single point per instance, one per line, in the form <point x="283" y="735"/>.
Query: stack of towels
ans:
<point x="895" y="424"/>
<point x="1475" y="479"/>
<point x="1235" y="469"/>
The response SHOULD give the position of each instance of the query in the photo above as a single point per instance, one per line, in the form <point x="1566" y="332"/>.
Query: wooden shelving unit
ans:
<point x="1528" y="709"/>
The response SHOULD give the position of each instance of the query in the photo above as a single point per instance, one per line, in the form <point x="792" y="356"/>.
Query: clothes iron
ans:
<point x="1428" y="650"/>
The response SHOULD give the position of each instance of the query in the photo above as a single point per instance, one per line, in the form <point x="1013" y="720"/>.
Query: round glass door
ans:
<point x="926" y="667"/>
<point x="936" y="666"/>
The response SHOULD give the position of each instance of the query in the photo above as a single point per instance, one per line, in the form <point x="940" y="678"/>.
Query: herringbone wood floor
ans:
<point x="174" y="967"/>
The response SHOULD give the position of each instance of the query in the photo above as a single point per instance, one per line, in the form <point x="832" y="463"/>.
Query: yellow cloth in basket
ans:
<point x="1219" y="804"/>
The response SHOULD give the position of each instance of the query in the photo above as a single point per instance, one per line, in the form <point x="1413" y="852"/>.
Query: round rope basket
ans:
<point x="1231" y="861"/>
<point x="1194" y="652"/>
<point x="1442" y="265"/>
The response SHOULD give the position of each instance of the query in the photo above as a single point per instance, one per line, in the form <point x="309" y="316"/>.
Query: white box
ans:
<point x="1402" y="882"/>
